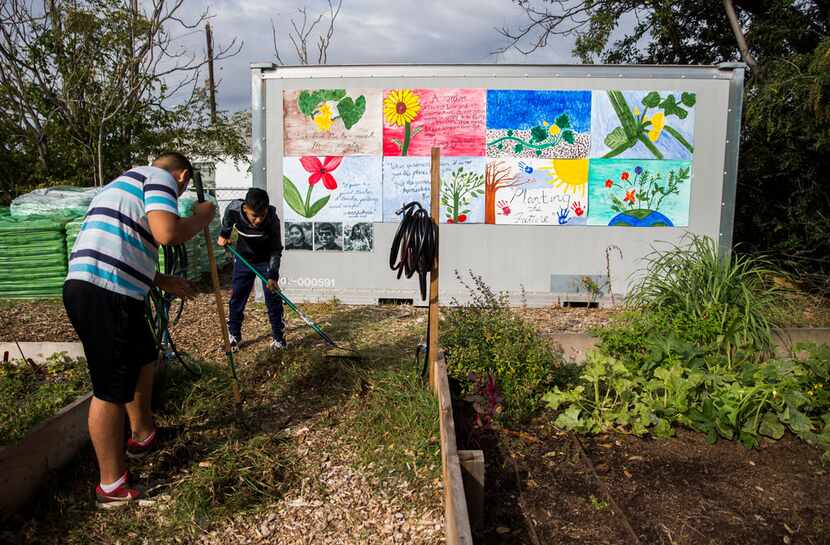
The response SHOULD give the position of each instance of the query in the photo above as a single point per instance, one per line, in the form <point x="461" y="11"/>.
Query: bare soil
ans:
<point x="675" y="492"/>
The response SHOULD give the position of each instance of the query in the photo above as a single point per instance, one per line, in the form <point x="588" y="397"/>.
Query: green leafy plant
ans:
<point x="761" y="399"/>
<point x="29" y="395"/>
<point x="638" y="126"/>
<point x="486" y="338"/>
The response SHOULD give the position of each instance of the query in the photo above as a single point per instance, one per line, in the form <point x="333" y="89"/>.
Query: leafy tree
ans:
<point x="783" y="201"/>
<point x="89" y="87"/>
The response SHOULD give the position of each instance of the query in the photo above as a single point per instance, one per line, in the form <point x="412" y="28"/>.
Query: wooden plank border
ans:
<point x="456" y="517"/>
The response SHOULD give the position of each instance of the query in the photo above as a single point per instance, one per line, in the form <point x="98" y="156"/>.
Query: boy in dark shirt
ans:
<point x="260" y="244"/>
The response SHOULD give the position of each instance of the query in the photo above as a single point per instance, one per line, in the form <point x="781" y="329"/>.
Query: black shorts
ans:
<point x="117" y="339"/>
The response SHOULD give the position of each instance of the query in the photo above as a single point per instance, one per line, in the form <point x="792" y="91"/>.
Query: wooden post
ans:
<point x="435" y="210"/>
<point x="472" y="471"/>
<point x="211" y="83"/>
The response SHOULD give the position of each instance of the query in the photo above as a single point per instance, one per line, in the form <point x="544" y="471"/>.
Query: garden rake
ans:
<point x="220" y="308"/>
<point x="336" y="351"/>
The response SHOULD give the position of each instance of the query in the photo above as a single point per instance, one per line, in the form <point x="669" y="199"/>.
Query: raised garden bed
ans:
<point x="43" y="410"/>
<point x="540" y="489"/>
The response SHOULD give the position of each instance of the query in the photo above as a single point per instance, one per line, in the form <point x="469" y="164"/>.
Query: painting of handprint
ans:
<point x="562" y="215"/>
<point x="536" y="191"/>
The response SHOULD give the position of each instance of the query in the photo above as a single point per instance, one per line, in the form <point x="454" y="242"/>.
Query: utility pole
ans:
<point x="211" y="84"/>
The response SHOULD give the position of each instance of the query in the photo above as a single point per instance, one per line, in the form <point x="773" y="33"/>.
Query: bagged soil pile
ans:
<point x="66" y="201"/>
<point x="32" y="256"/>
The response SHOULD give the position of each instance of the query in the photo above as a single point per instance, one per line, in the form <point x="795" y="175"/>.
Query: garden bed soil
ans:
<point x="539" y="489"/>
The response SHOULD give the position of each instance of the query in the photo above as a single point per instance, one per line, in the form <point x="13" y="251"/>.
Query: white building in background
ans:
<point x="226" y="180"/>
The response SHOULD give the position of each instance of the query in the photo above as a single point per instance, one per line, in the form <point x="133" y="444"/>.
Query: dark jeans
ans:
<point x="241" y="283"/>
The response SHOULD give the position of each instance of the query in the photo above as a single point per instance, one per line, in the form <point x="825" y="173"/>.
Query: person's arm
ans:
<point x="161" y="195"/>
<point x="228" y="221"/>
<point x="275" y="249"/>
<point x="169" y="229"/>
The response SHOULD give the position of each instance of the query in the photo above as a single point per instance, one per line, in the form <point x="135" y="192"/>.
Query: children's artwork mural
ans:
<point x="358" y="237"/>
<point x="643" y="124"/>
<point x="538" y="124"/>
<point x="407" y="179"/>
<point x="639" y="193"/>
<point x="298" y="235"/>
<point x="332" y="188"/>
<point x="332" y="122"/>
<point x="416" y="120"/>
<point x="508" y="156"/>
<point x="536" y="191"/>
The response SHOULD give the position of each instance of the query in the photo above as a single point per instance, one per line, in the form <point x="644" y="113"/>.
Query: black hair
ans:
<point x="257" y="200"/>
<point x="326" y="227"/>
<point x="173" y="160"/>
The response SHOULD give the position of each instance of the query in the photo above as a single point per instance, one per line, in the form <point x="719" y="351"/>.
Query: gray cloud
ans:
<point x="367" y="32"/>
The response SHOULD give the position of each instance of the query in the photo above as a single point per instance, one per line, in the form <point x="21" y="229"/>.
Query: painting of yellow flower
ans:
<point x="401" y="106"/>
<point x="323" y="119"/>
<point x="658" y="121"/>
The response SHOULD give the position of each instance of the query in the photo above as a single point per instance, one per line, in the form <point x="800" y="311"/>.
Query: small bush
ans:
<point x="486" y="336"/>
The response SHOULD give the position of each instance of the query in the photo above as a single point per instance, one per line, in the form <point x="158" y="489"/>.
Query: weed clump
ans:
<point x="485" y="337"/>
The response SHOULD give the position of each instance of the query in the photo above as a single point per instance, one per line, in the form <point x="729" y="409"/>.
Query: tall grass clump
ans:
<point x="692" y="293"/>
<point x="485" y="338"/>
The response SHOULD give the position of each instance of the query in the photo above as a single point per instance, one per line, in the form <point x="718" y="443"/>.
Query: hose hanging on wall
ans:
<point x="414" y="245"/>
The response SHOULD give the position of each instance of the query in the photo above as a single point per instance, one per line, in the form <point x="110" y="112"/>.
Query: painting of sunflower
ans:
<point x="401" y="108"/>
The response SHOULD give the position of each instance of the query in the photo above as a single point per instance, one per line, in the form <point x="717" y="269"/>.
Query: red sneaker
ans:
<point x="140" y="449"/>
<point x="119" y="497"/>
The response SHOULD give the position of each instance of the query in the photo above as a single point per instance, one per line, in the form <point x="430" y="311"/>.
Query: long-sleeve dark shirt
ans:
<point x="256" y="244"/>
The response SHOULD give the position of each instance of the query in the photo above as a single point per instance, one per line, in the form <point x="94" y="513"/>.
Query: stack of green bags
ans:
<point x="72" y="230"/>
<point x="68" y="201"/>
<point x="32" y="256"/>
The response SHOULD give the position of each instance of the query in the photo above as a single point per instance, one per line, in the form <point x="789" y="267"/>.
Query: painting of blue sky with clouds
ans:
<point x="643" y="124"/>
<point x="538" y="124"/>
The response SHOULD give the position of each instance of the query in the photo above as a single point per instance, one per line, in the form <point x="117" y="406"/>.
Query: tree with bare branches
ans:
<point x="497" y="175"/>
<point x="301" y="34"/>
<point x="100" y="73"/>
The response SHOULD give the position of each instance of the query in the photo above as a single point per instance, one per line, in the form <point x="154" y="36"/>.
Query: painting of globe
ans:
<point x="640" y="218"/>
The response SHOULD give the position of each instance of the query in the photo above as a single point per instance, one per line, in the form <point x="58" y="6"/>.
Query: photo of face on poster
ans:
<point x="358" y="237"/>
<point x="298" y="236"/>
<point x="328" y="237"/>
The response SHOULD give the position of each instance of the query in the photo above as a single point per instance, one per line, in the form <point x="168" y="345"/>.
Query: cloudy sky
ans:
<point x="366" y="32"/>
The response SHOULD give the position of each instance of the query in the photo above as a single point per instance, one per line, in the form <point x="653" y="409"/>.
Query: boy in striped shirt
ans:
<point x="111" y="269"/>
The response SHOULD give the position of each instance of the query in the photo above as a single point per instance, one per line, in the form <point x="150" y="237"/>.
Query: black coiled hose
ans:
<point x="159" y="305"/>
<point x="415" y="244"/>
